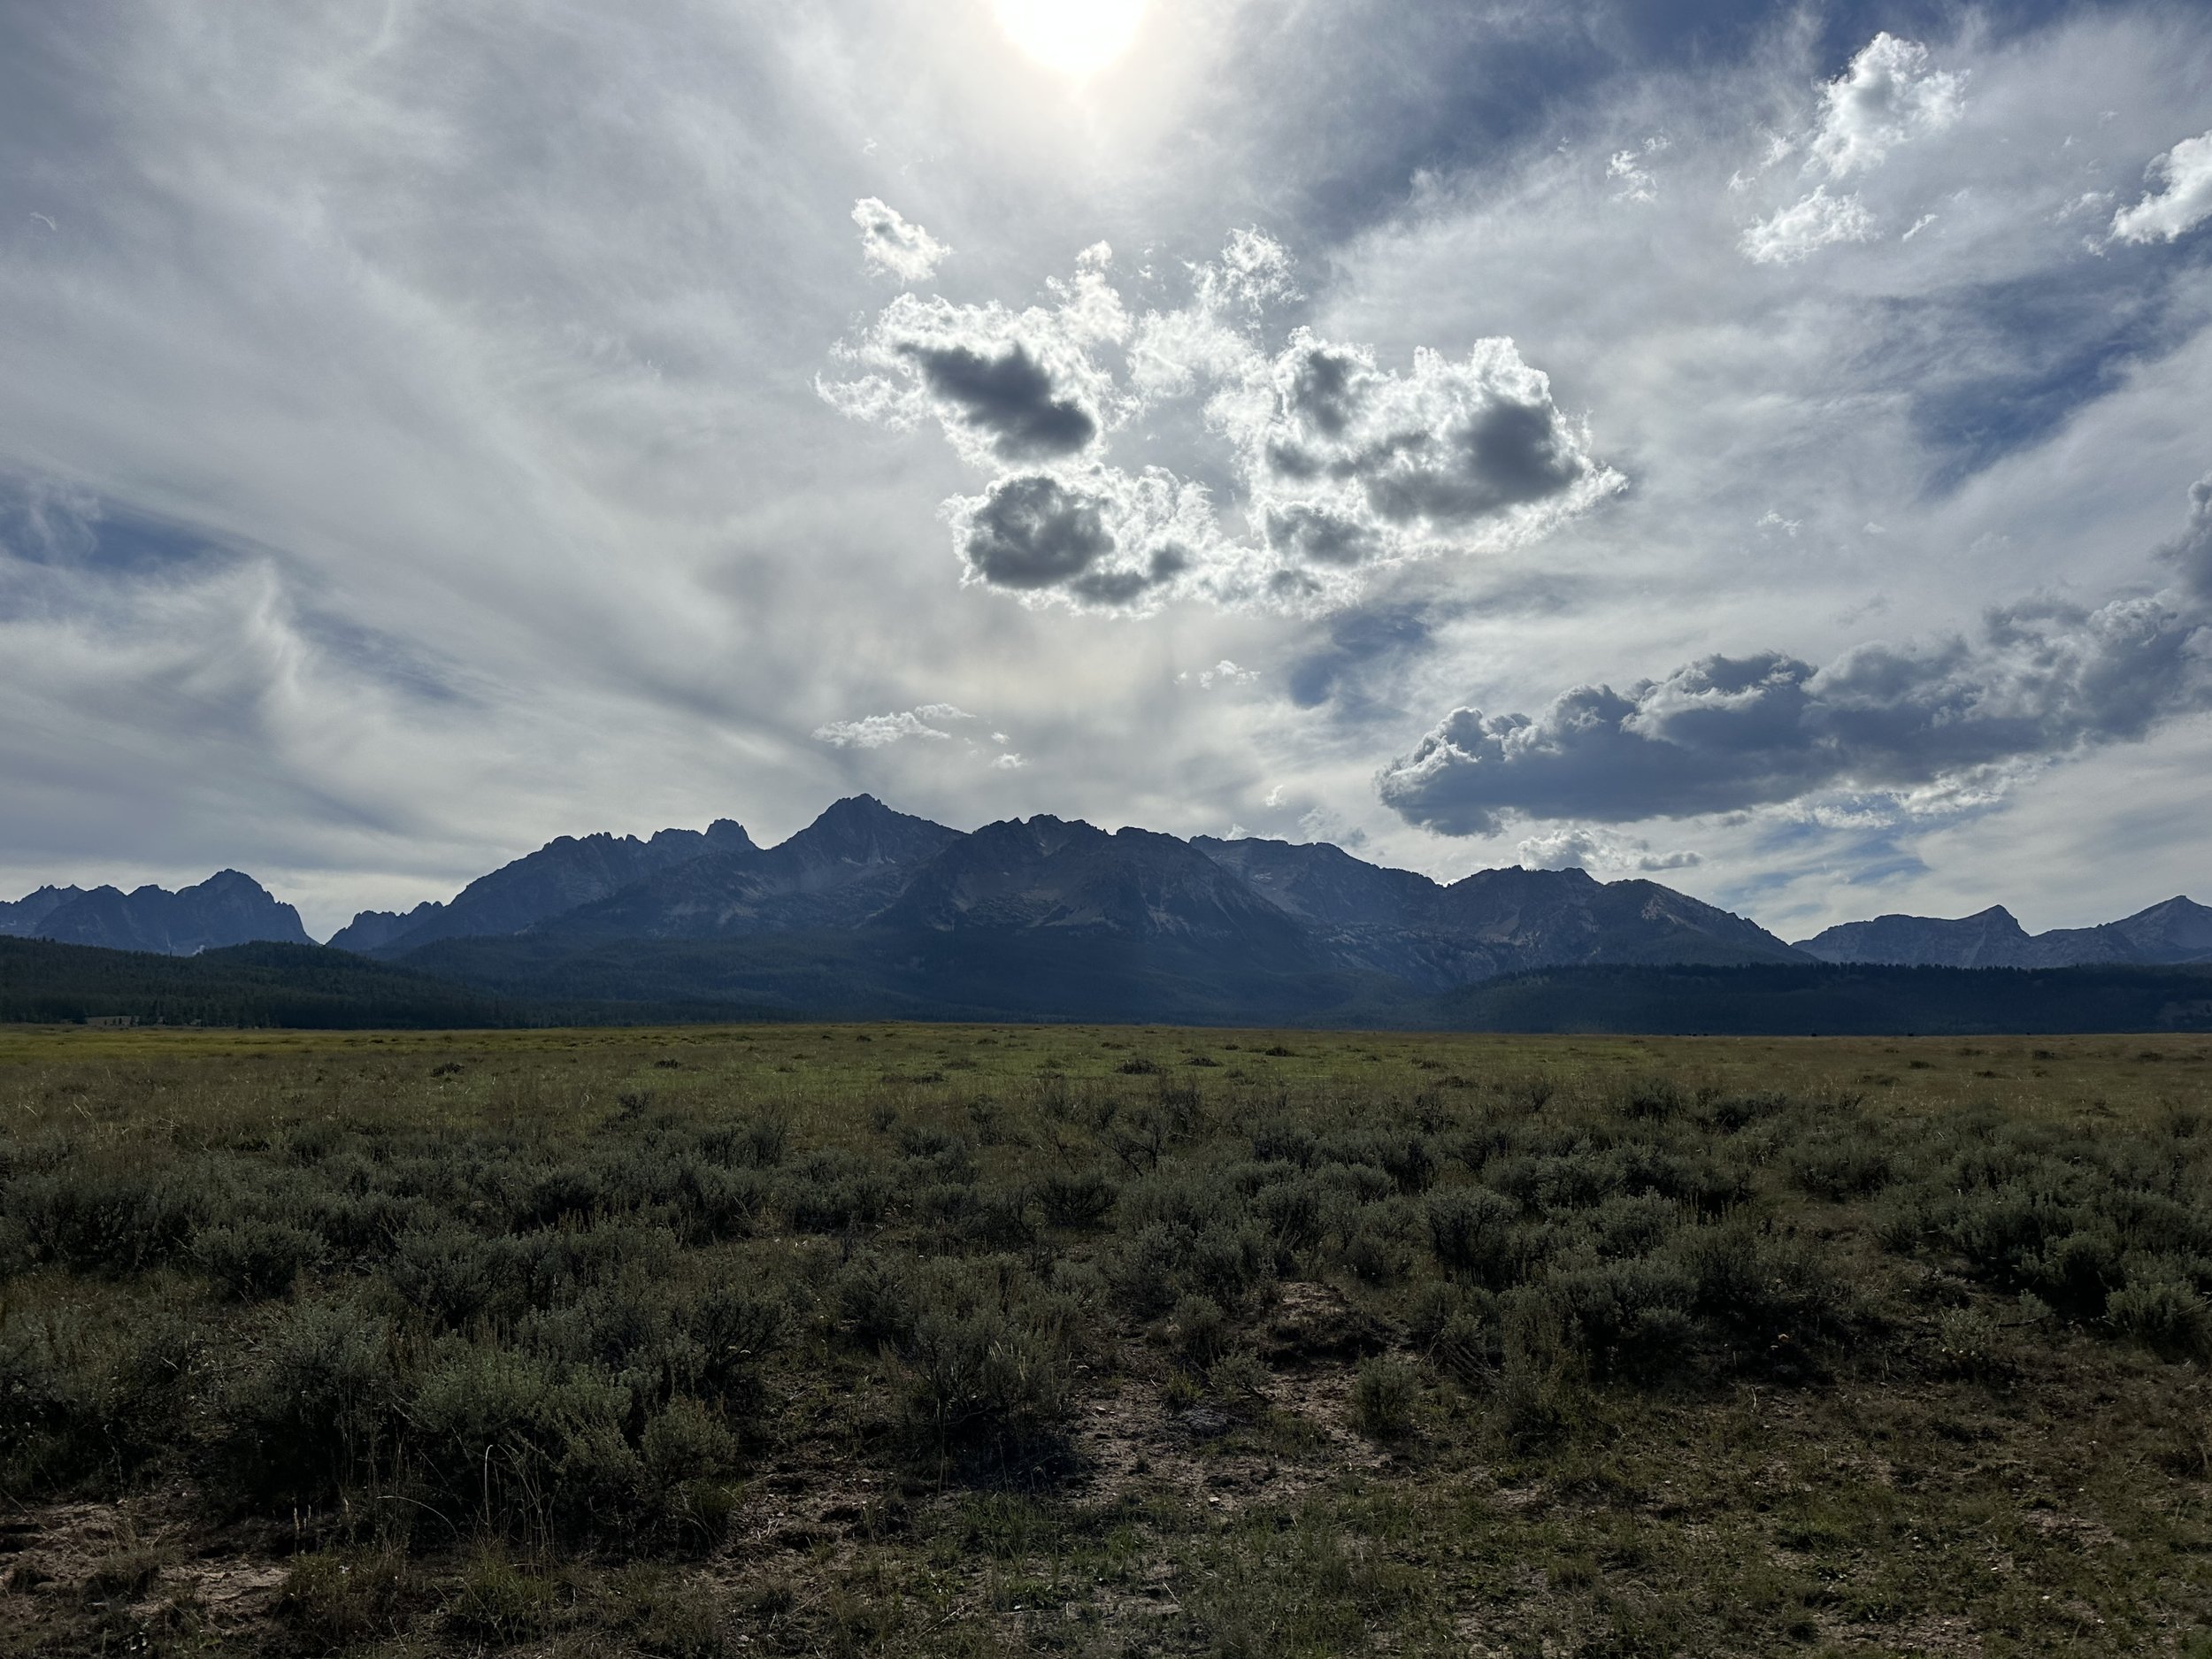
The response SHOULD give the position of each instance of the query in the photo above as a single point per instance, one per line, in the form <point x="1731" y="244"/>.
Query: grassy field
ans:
<point x="965" y="1340"/>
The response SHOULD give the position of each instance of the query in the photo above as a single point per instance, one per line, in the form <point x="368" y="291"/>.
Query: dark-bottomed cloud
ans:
<point x="1035" y="533"/>
<point x="1337" y="462"/>
<point x="1007" y="396"/>
<point x="2045" y="679"/>
<point x="2192" y="551"/>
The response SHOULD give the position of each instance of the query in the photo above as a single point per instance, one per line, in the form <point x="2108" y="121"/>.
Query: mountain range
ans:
<point x="226" y="908"/>
<point x="862" y="868"/>
<point x="2172" y="933"/>
<point x="1049" y="916"/>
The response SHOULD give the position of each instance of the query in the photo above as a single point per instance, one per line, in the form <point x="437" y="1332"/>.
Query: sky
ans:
<point x="1766" y="449"/>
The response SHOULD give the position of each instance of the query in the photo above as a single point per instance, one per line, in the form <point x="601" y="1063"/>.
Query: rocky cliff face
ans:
<point x="20" y="919"/>
<point x="843" y="869"/>
<point x="560" y="875"/>
<point x="226" y="908"/>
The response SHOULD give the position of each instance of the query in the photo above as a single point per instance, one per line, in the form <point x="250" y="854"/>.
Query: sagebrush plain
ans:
<point x="1097" y="1340"/>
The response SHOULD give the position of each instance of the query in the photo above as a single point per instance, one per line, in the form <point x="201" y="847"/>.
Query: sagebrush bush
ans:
<point x="91" y="1396"/>
<point x="1839" y="1167"/>
<point x="2163" y="1314"/>
<point x="312" y="1408"/>
<point x="1383" y="1392"/>
<point x="1970" y="1343"/>
<point x="253" y="1260"/>
<point x="119" y="1218"/>
<point x="1079" y="1199"/>
<point x="988" y="1361"/>
<point x="1202" y="1331"/>
<point x="1472" y="1232"/>
<point x="832" y="1190"/>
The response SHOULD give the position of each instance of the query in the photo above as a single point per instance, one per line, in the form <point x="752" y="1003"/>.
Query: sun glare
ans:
<point x="1076" y="37"/>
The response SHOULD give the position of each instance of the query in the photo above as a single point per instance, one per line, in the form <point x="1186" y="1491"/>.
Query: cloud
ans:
<point x="49" y="521"/>
<point x="1254" y="270"/>
<point x="1336" y="462"/>
<point x="1225" y="673"/>
<point x="1350" y="463"/>
<point x="1005" y="387"/>
<point x="880" y="731"/>
<point x="1104" y="539"/>
<point x="1889" y="95"/>
<point x="1007" y="762"/>
<point x="1361" y="642"/>
<point x="1009" y="396"/>
<point x="2183" y="201"/>
<point x="1804" y="227"/>
<point x="1723" y="733"/>
<point x="1578" y="847"/>
<point x="1637" y="181"/>
<point x="2193" y="550"/>
<point x="893" y="248"/>
<point x="1320" y="824"/>
<point x="2044" y="678"/>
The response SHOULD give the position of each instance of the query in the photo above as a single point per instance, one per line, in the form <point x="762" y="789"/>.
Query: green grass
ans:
<point x="968" y="1341"/>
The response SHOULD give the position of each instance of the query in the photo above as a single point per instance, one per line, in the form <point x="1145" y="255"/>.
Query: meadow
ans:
<point x="926" y="1341"/>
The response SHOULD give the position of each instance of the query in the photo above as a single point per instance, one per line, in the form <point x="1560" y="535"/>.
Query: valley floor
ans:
<point x="935" y="1340"/>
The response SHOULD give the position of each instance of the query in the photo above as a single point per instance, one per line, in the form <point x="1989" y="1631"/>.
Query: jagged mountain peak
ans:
<point x="567" y="873"/>
<point x="229" y="908"/>
<point x="20" y="919"/>
<point x="1046" y="873"/>
<point x="856" y="833"/>
<point x="722" y="836"/>
<point x="2180" y="914"/>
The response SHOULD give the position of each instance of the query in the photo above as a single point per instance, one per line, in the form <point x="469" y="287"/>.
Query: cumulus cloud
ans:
<point x="1225" y="673"/>
<point x="1009" y="397"/>
<point x="1338" y="462"/>
<point x="880" y="731"/>
<point x="2193" y="550"/>
<point x="1578" y="847"/>
<point x="1804" y="227"/>
<point x="1005" y="387"/>
<point x="2043" y="678"/>
<point x="1889" y="94"/>
<point x="893" y="248"/>
<point x="1725" y="733"/>
<point x="1103" y="538"/>
<point x="1254" y="270"/>
<point x="2183" y="201"/>
<point x="1351" y="462"/>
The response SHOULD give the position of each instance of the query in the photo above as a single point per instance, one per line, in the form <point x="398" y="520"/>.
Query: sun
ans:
<point x="1076" y="37"/>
